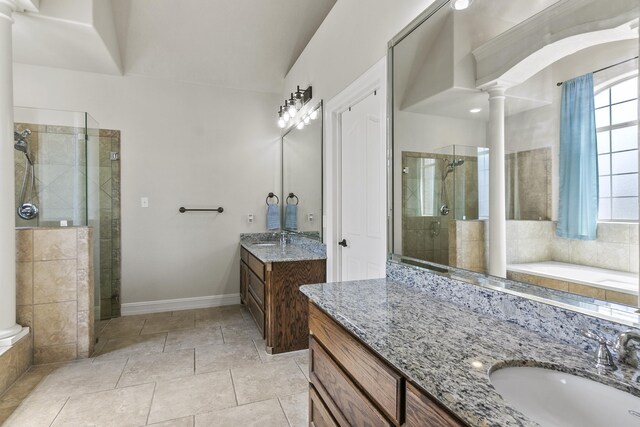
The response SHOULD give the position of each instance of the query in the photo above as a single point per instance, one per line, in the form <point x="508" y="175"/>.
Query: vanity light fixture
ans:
<point x="292" y="107"/>
<point x="475" y="110"/>
<point x="460" y="4"/>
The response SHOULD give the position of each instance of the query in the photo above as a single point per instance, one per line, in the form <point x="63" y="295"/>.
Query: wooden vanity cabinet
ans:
<point x="351" y="386"/>
<point x="271" y="293"/>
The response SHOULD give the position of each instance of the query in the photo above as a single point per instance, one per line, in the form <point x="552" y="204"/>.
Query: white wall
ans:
<point x="352" y="38"/>
<point x="182" y="144"/>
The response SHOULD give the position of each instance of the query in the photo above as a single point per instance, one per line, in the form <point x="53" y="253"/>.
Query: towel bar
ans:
<point x="183" y="210"/>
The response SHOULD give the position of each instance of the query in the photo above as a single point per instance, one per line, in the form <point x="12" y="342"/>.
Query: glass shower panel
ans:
<point x="93" y="204"/>
<point x="58" y="149"/>
<point x="63" y="147"/>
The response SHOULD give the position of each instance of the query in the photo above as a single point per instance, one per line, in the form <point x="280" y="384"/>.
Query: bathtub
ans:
<point x="618" y="281"/>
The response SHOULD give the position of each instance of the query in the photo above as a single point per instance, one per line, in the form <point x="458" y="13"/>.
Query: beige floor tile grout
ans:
<point x="122" y="372"/>
<point x="58" y="414"/>
<point x="233" y="385"/>
<point x="284" y="412"/>
<point x="153" y="395"/>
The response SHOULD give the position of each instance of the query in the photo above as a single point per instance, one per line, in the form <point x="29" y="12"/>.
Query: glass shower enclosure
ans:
<point x="438" y="188"/>
<point x="57" y="162"/>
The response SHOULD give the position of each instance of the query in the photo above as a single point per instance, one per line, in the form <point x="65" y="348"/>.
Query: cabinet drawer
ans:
<point x="256" y="312"/>
<point x="382" y="384"/>
<point x="422" y="411"/>
<point x="319" y="415"/>
<point x="349" y="406"/>
<point x="256" y="286"/>
<point x="256" y="266"/>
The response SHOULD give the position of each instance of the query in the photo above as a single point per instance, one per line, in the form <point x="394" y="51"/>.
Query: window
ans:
<point x="617" y="136"/>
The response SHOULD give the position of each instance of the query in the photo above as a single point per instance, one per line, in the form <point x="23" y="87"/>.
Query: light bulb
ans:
<point x="307" y="119"/>
<point x="292" y="110"/>
<point x="460" y="4"/>
<point x="300" y="125"/>
<point x="314" y="114"/>
<point x="281" y="123"/>
<point x="285" y="116"/>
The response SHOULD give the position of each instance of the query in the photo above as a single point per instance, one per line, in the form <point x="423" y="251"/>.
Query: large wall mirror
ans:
<point x="302" y="175"/>
<point x="527" y="109"/>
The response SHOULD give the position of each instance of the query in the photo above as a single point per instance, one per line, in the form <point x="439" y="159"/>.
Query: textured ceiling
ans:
<point x="246" y="44"/>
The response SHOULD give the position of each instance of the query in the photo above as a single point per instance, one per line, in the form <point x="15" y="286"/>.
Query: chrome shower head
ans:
<point x="21" y="144"/>
<point x="450" y="166"/>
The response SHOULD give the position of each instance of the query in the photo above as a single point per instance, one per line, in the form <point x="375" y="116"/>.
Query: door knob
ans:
<point x="343" y="243"/>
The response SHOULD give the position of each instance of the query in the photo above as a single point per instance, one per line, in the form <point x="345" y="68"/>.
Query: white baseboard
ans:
<point x="146" y="307"/>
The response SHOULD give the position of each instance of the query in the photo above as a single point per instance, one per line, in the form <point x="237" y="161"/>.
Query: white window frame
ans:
<point x="609" y="129"/>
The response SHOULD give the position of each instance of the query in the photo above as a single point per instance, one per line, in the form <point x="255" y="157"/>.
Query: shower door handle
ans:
<point x="343" y="243"/>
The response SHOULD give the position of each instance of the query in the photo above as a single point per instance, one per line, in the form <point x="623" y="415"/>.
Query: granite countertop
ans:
<point x="449" y="350"/>
<point x="292" y="251"/>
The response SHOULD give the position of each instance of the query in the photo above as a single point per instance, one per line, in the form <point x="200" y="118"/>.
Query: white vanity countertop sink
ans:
<point x="450" y="351"/>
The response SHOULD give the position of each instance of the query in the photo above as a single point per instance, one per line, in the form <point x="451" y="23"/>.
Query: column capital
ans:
<point x="7" y="7"/>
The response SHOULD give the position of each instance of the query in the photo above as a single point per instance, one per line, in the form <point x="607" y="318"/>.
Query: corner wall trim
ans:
<point x="146" y="307"/>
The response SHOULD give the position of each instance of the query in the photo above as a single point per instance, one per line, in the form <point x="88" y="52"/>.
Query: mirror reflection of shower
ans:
<point x="450" y="167"/>
<point x="27" y="208"/>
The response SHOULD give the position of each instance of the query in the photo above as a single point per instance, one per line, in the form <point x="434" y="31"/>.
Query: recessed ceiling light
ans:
<point x="475" y="110"/>
<point x="460" y="4"/>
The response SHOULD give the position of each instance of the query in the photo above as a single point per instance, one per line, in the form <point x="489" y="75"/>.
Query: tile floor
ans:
<point x="204" y="367"/>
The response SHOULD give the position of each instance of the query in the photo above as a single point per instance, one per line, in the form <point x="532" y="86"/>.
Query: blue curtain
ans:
<point x="578" y="204"/>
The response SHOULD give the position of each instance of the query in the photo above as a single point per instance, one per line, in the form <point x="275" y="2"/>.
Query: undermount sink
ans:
<point x="553" y="398"/>
<point x="262" y="245"/>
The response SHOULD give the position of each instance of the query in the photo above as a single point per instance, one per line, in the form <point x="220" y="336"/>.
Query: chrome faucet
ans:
<point x="603" y="357"/>
<point x="626" y="353"/>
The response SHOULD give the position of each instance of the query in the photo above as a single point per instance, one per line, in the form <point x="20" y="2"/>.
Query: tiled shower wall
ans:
<point x="54" y="291"/>
<point x="528" y="175"/>
<point x="427" y="237"/>
<point x="60" y="157"/>
<point x="109" y="224"/>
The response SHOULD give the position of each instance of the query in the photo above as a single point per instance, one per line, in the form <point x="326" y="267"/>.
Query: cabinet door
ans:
<point x="422" y="411"/>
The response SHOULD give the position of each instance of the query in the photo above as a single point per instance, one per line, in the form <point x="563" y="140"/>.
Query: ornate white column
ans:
<point x="497" y="191"/>
<point x="10" y="331"/>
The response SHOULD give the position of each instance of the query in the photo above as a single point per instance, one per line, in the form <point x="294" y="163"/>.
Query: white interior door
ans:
<point x="363" y="224"/>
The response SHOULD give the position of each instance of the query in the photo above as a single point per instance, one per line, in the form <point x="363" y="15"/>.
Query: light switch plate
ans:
<point x="144" y="202"/>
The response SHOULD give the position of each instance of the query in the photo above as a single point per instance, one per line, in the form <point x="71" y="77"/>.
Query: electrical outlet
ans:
<point x="250" y="218"/>
<point x="310" y="217"/>
<point x="144" y="202"/>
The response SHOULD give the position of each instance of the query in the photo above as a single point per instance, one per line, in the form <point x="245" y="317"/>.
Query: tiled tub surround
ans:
<point x="297" y="248"/>
<point x="14" y="361"/>
<point x="55" y="291"/>
<point x="616" y="248"/>
<point x="448" y="349"/>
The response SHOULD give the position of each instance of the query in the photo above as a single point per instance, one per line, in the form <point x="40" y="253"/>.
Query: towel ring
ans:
<point x="271" y="195"/>
<point x="293" y="196"/>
